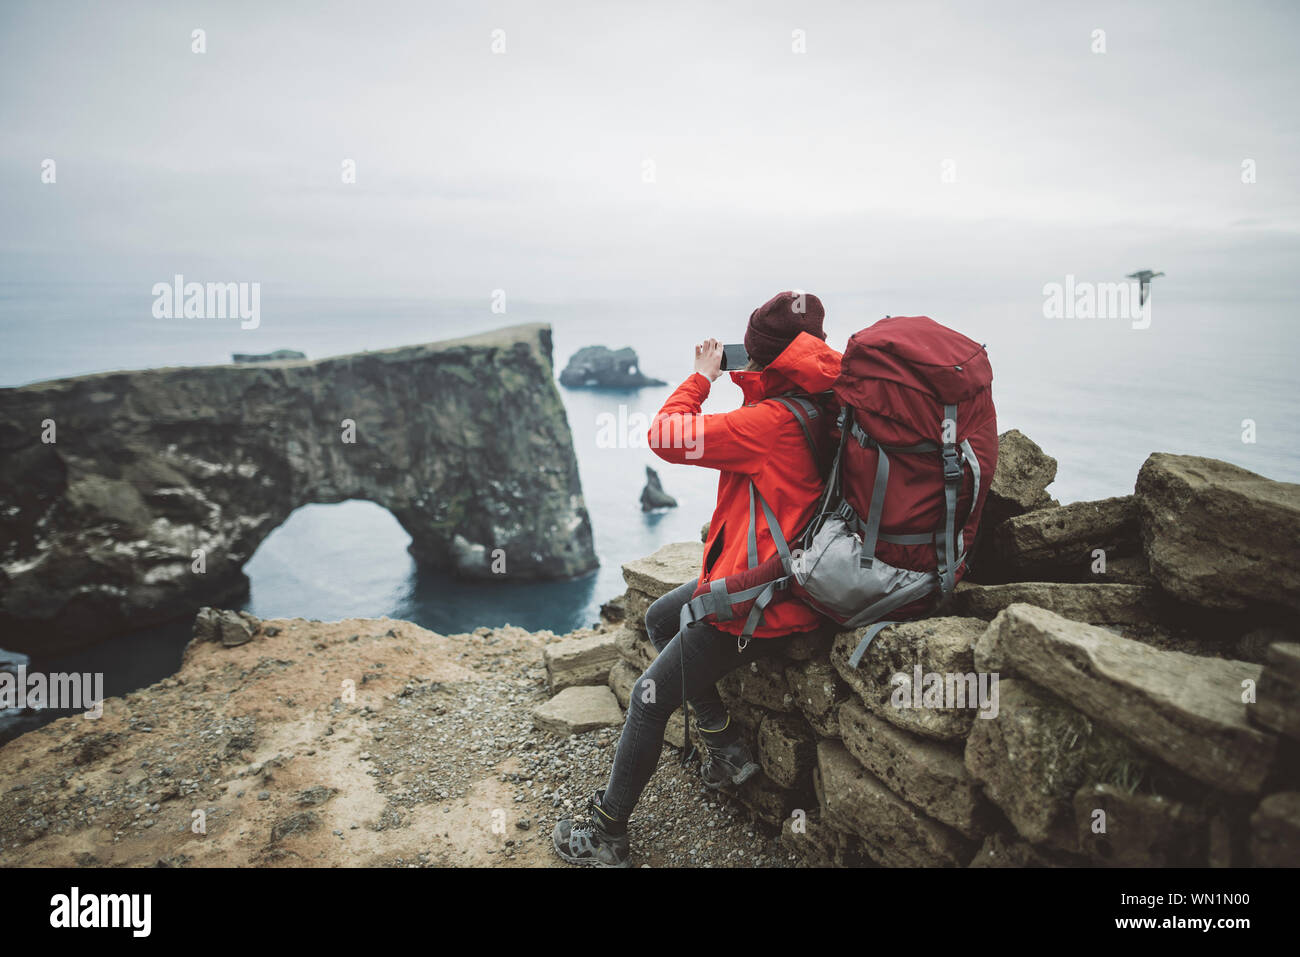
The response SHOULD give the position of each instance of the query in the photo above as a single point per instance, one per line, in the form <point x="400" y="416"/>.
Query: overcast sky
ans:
<point x="525" y="170"/>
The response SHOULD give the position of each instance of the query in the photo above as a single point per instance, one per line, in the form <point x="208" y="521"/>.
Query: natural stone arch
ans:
<point x="465" y="442"/>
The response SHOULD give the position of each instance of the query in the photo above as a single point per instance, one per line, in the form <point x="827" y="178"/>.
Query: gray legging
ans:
<point x="710" y="654"/>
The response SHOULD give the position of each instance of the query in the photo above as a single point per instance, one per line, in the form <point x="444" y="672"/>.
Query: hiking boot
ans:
<point x="729" y="763"/>
<point x="599" y="841"/>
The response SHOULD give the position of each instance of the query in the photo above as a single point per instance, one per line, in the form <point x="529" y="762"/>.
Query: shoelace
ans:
<point x="587" y="827"/>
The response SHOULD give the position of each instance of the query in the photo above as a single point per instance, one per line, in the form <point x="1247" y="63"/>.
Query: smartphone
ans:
<point x="734" y="358"/>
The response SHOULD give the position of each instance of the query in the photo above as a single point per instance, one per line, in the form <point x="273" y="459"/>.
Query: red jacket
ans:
<point x="760" y="441"/>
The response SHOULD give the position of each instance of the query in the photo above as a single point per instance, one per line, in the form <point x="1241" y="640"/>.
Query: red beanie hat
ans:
<point x="776" y="323"/>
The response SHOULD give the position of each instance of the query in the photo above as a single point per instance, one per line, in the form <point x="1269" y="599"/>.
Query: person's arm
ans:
<point x="732" y="441"/>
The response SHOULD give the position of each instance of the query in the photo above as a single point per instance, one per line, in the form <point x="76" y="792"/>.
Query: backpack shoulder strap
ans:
<point x="804" y="412"/>
<point x="945" y="538"/>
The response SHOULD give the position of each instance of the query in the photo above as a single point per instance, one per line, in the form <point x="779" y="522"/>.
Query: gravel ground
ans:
<point x="434" y="763"/>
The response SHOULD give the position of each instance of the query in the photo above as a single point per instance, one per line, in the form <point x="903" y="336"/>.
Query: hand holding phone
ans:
<point x="708" y="359"/>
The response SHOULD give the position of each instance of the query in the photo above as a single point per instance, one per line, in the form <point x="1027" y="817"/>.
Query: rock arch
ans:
<point x="155" y="473"/>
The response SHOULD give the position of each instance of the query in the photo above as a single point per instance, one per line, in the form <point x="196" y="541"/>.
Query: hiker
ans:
<point x="772" y="445"/>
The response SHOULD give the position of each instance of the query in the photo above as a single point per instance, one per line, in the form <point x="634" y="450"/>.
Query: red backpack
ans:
<point x="918" y="446"/>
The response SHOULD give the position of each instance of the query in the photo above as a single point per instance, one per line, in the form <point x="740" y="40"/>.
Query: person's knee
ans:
<point x="658" y="619"/>
<point x="661" y="618"/>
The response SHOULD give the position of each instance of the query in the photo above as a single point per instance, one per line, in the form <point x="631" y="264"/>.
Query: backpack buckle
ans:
<point x="951" y="464"/>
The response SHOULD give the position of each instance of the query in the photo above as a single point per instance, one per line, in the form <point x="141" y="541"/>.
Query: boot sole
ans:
<point x="586" y="861"/>
<point x="740" y="777"/>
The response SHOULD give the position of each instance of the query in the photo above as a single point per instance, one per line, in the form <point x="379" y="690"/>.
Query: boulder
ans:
<point x="1117" y="828"/>
<point x="1284" y="660"/>
<point x="1097" y="604"/>
<point x="1186" y="710"/>
<point x="893" y="832"/>
<point x="577" y="710"/>
<point x="1277" y="699"/>
<point x="635" y="605"/>
<point x="600" y="367"/>
<point x="746" y="714"/>
<point x="1124" y="570"/>
<point x="1219" y="536"/>
<point x="653" y="495"/>
<point x="580" y="661"/>
<point x="787" y="750"/>
<point x="1060" y="544"/>
<point x="761" y="682"/>
<point x="938" y="646"/>
<point x="633" y="646"/>
<point x="768" y="801"/>
<point x="1020" y="480"/>
<point x="614" y="610"/>
<point x="1019" y="485"/>
<point x="1275" y="831"/>
<point x="670" y="567"/>
<point x="817" y="844"/>
<point x="228" y="627"/>
<point x="207" y="624"/>
<point x="1036" y="754"/>
<point x="804" y="645"/>
<point x="928" y="775"/>
<point x="818" y="692"/>
<point x="998" y="850"/>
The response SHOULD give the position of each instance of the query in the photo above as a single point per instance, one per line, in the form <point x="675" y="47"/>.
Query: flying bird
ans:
<point x="1144" y="276"/>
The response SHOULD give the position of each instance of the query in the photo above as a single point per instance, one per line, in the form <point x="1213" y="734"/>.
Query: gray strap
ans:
<point x="867" y="442"/>
<point x="872" y="528"/>
<point x="922" y="538"/>
<point x="773" y="526"/>
<point x="895" y="599"/>
<point x="756" y="612"/>
<point x="974" y="464"/>
<point x="908" y="449"/>
<point x="947" y="532"/>
<point x="809" y="410"/>
<point x="753" y="528"/>
<point x="721" y="600"/>
<point x="867" y="638"/>
<point x="704" y="605"/>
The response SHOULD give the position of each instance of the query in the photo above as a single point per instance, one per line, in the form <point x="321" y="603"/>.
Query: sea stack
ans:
<point x="653" y="495"/>
<point x="596" y="367"/>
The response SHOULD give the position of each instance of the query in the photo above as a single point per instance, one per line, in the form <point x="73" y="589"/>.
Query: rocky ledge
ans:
<point x="1136" y="719"/>
<point x="128" y="498"/>
<point x="1147" y="708"/>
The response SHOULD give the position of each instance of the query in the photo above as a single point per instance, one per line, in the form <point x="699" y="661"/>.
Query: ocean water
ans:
<point x="1097" y="394"/>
